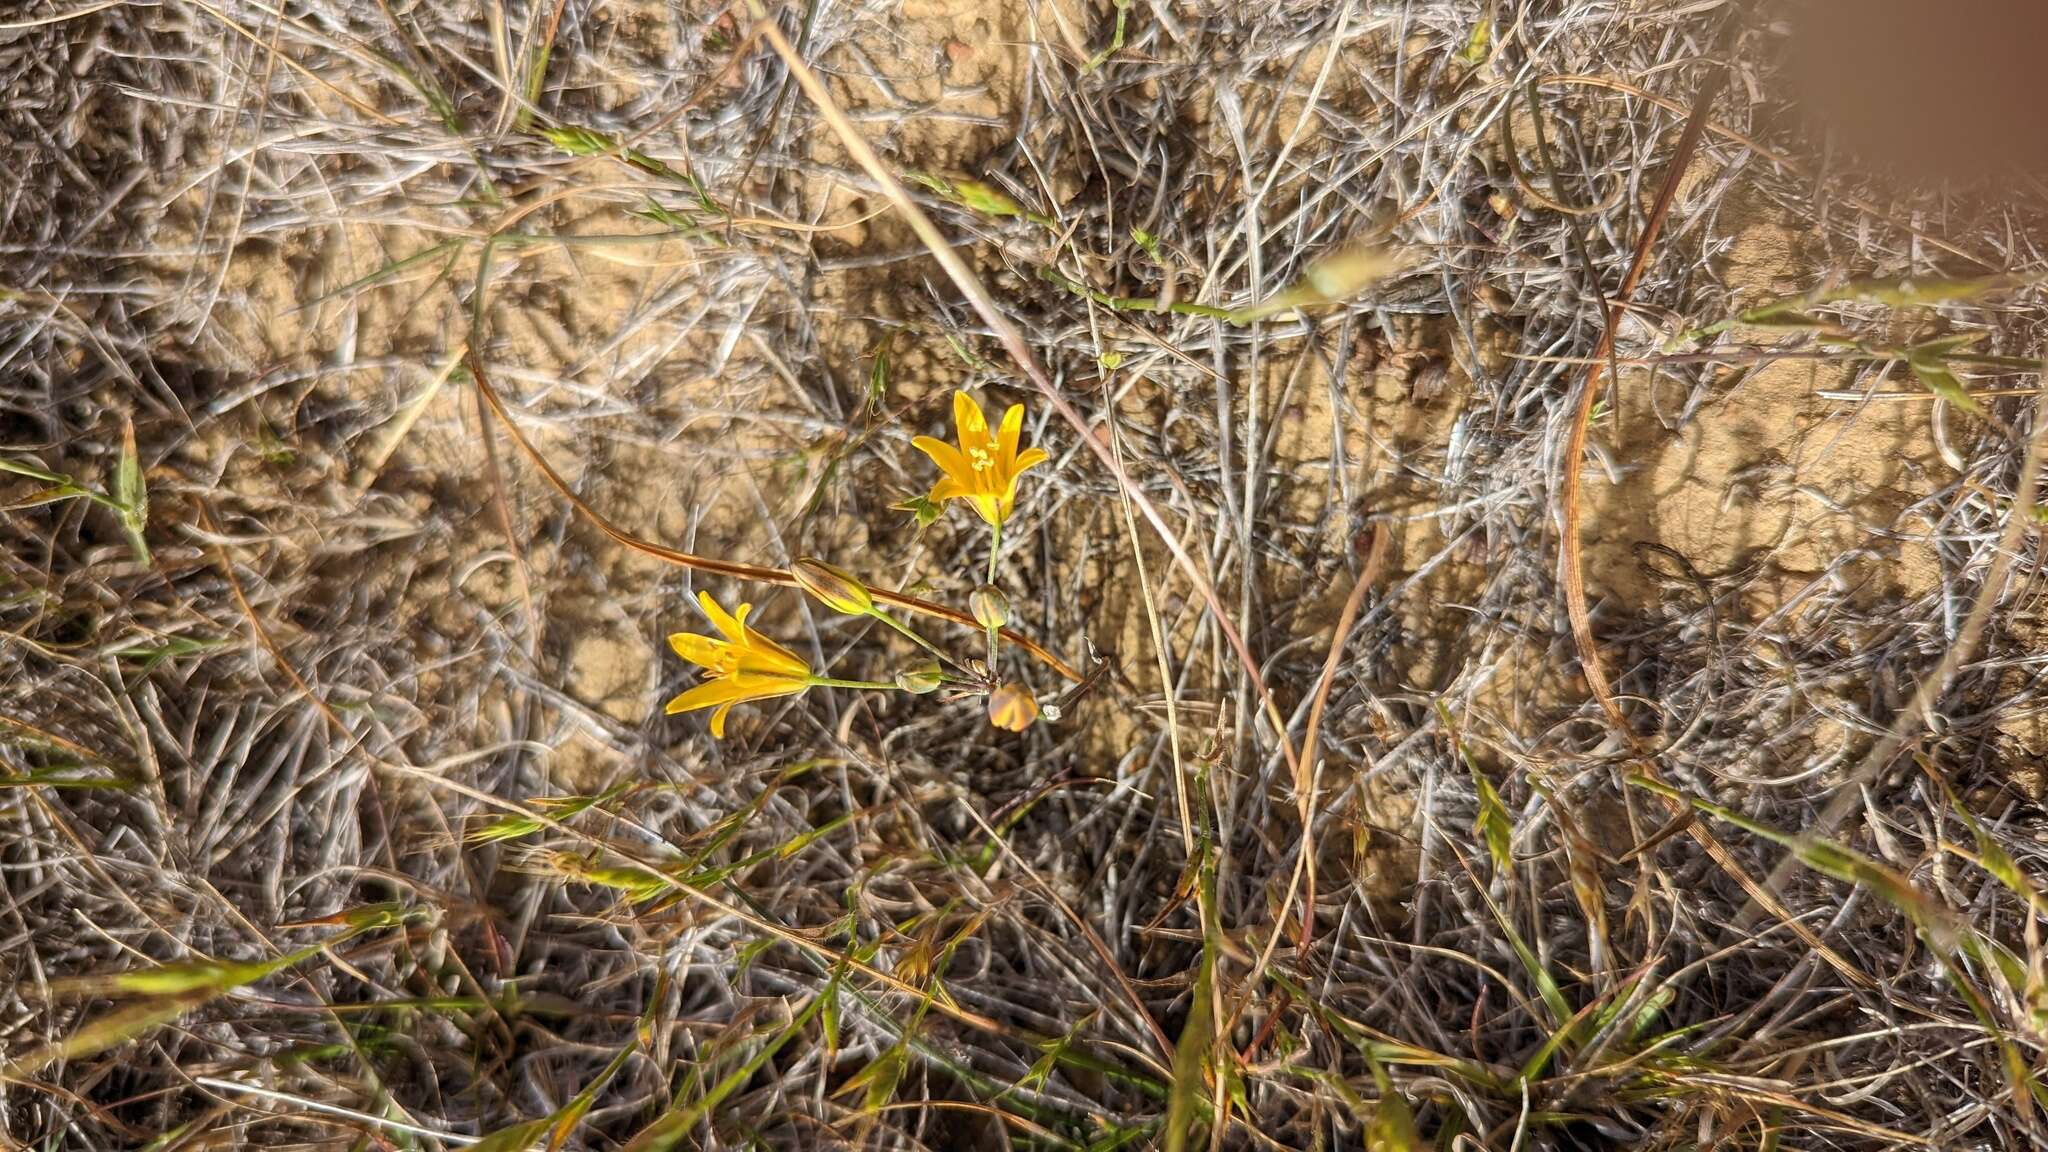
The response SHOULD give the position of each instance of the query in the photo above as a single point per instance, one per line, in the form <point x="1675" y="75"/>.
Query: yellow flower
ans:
<point x="985" y="467"/>
<point x="744" y="666"/>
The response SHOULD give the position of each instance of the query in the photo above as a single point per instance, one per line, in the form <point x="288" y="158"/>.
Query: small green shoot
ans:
<point x="920" y="507"/>
<point x="1116" y="38"/>
<point x="129" y="502"/>
<point x="578" y="141"/>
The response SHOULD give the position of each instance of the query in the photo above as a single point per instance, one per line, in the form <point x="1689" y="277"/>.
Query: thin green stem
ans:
<point x="829" y="682"/>
<point x="915" y="636"/>
<point x="995" y="549"/>
<point x="1138" y="303"/>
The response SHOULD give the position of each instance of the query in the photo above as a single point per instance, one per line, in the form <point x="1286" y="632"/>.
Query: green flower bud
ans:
<point x="921" y="679"/>
<point x="835" y="588"/>
<point x="990" y="607"/>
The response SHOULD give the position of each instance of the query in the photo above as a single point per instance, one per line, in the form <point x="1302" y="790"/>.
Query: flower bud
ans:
<point x="990" y="607"/>
<point x="921" y="679"/>
<point x="835" y="588"/>
<point x="1346" y="272"/>
<point x="1011" y="707"/>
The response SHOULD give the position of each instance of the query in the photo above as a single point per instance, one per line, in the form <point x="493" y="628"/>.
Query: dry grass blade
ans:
<point x="1571" y="465"/>
<point x="1020" y="353"/>
<point x="1522" y="589"/>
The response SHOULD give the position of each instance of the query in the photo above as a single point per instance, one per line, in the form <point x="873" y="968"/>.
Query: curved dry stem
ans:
<point x="1571" y="549"/>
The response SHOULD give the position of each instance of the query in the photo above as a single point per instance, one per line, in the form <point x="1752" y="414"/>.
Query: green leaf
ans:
<point x="973" y="195"/>
<point x="668" y="1132"/>
<point x="131" y="492"/>
<point x="503" y="828"/>
<point x="169" y="648"/>
<point x="878" y="378"/>
<point x="33" y="472"/>
<point x="552" y="1130"/>
<point x="754" y="951"/>
<point x="1147" y="241"/>
<point x="1393" y="1126"/>
<point x="210" y="976"/>
<point x="637" y="884"/>
<point x="828" y="1014"/>
<point x="920" y="507"/>
<point x="167" y="992"/>
<point x="965" y="353"/>
<point x="1791" y="311"/>
<point x="579" y="141"/>
<point x="1116" y="37"/>
<point x="1785" y="320"/>
<point x="986" y="199"/>
<point x="107" y="1031"/>
<point x="1495" y="824"/>
<point x="1393" y="1123"/>
<point x="1190" y="1059"/>
<point x="877" y="1082"/>
<point x="62" y="487"/>
<point x="665" y="215"/>
<point x="1934" y="375"/>
<point x="518" y="1138"/>
<point x="1936" y="922"/>
<point x="513" y="827"/>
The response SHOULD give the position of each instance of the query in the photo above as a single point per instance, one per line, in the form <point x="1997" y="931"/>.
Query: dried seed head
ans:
<point x="835" y="588"/>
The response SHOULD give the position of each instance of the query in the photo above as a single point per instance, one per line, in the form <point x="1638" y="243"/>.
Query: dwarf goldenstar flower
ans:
<point x="745" y="665"/>
<point x="985" y="466"/>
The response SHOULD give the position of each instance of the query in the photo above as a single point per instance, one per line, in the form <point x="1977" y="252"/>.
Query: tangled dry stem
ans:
<point x="358" y="641"/>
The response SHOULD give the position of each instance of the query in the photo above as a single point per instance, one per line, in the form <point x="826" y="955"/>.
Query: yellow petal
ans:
<point x="993" y="509"/>
<point x="721" y="619"/>
<point x="947" y="457"/>
<point x="972" y="425"/>
<point x="947" y="489"/>
<point x="1008" y="435"/>
<point x="764" y="656"/>
<point x="725" y="691"/>
<point x="764" y="687"/>
<point x="702" y="651"/>
<point x="1031" y="458"/>
<point x="720" y="691"/>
